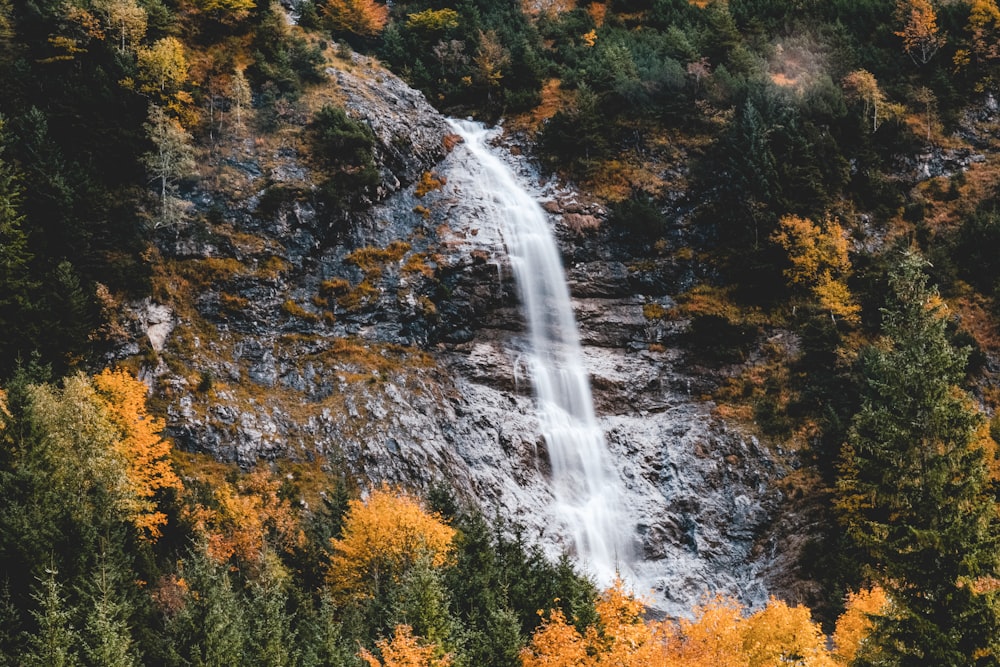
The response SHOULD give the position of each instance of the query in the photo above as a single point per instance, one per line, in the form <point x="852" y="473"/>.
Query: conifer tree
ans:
<point x="107" y="635"/>
<point x="16" y="284"/>
<point x="210" y="627"/>
<point x="55" y="642"/>
<point x="914" y="490"/>
<point x="273" y="642"/>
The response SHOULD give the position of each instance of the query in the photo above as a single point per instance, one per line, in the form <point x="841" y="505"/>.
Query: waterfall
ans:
<point x="585" y="487"/>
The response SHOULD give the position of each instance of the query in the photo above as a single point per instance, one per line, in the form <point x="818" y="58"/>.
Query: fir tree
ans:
<point x="107" y="635"/>
<point x="914" y="488"/>
<point x="55" y="642"/>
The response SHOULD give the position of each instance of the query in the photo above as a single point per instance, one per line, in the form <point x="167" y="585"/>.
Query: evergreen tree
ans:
<point x="322" y="638"/>
<point x="107" y="635"/>
<point x="422" y="603"/>
<point x="209" y="628"/>
<point x="10" y="628"/>
<point x="272" y="640"/>
<point x="54" y="643"/>
<point x="16" y="284"/>
<point x="914" y="490"/>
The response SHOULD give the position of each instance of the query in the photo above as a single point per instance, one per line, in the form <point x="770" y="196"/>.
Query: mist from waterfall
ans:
<point x="585" y="487"/>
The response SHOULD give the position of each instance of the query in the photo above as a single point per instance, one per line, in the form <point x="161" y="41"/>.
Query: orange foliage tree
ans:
<point x="855" y="624"/>
<point x="921" y="37"/>
<point x="366" y="18"/>
<point x="383" y="538"/>
<point x="245" y="518"/>
<point x="719" y="635"/>
<point x="145" y="453"/>
<point x="405" y="650"/>
<point x="101" y="442"/>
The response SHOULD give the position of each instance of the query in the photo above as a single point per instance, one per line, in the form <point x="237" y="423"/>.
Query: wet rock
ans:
<point x="323" y="375"/>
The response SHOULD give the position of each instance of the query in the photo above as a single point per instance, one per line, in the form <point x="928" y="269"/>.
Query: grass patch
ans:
<point x="293" y="309"/>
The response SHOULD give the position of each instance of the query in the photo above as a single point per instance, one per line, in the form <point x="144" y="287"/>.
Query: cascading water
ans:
<point x="585" y="486"/>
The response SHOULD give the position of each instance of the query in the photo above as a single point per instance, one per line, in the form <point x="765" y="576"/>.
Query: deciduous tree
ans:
<point x="145" y="453"/>
<point x="920" y="33"/>
<point x="819" y="263"/>
<point x="171" y="159"/>
<point x="126" y="21"/>
<point x="163" y="66"/>
<point x="982" y="48"/>
<point x="405" y="650"/>
<point x="365" y="18"/>
<point x="861" y="85"/>
<point x="854" y="626"/>
<point x="227" y="11"/>
<point x="384" y="536"/>
<point x="239" y="95"/>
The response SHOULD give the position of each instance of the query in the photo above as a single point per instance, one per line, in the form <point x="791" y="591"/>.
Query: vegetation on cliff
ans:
<point x="800" y="156"/>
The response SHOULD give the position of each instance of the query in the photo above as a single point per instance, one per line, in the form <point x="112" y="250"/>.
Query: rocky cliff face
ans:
<point x="390" y="348"/>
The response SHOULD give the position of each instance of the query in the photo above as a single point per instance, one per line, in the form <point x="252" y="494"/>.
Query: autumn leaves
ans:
<point x="720" y="633"/>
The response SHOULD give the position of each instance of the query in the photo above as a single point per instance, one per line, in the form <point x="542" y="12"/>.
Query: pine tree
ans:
<point x="914" y="490"/>
<point x="210" y="628"/>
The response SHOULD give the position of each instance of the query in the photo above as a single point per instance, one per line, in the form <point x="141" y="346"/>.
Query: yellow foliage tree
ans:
<point x="861" y="85"/>
<point x="125" y="20"/>
<point x="783" y="635"/>
<point x="983" y="46"/>
<point x="145" y="453"/>
<point x="921" y="37"/>
<point x="405" y="650"/>
<point x="366" y="18"/>
<point x="163" y="66"/>
<point x="100" y="437"/>
<point x="384" y="537"/>
<point x="227" y="11"/>
<point x="432" y="20"/>
<point x="855" y="624"/>
<point x="819" y="263"/>
<point x="490" y="59"/>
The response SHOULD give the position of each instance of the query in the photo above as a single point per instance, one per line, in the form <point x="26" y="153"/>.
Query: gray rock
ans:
<point x="327" y="380"/>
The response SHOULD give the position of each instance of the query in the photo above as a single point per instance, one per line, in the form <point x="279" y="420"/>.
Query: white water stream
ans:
<point x="585" y="486"/>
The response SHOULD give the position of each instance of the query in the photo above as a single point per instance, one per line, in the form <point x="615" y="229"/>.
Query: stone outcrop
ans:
<point x="392" y="349"/>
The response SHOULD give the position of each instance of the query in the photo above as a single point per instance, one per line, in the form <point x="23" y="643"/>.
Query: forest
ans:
<point x="827" y="168"/>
